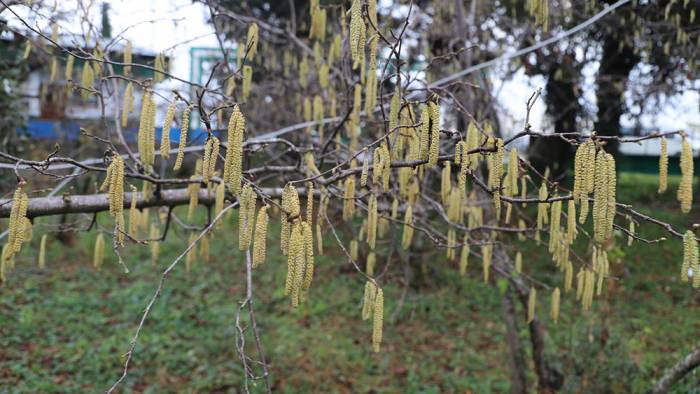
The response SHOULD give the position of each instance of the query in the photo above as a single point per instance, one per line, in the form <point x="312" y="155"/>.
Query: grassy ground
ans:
<point x="65" y="328"/>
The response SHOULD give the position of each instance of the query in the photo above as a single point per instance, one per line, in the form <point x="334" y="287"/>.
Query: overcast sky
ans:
<point x="158" y="25"/>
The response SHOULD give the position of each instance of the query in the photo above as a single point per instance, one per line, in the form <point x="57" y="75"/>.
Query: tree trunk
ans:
<point x="615" y="66"/>
<point x="677" y="372"/>
<point x="561" y="97"/>
<point x="518" y="367"/>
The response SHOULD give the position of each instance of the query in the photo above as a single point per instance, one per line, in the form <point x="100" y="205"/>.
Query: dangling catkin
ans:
<point x="252" y="41"/>
<point x="685" y="188"/>
<point x="165" y="132"/>
<point x="464" y="256"/>
<point x="372" y="221"/>
<point x="185" y="126"/>
<point x="434" y="151"/>
<point x="246" y="215"/>
<point x="247" y="81"/>
<point x="486" y="251"/>
<point x="128" y="104"/>
<point x="309" y="202"/>
<point x="260" y="241"/>
<point x="663" y="166"/>
<point x="233" y="164"/>
<point x="349" y="198"/>
<point x="531" y="304"/>
<point x="18" y="215"/>
<point x="127" y="58"/>
<point x="155" y="245"/>
<point x="358" y="31"/>
<point x="690" y="256"/>
<point x="368" y="300"/>
<point x="555" y="304"/>
<point x="407" y="228"/>
<point x="42" y="251"/>
<point x="308" y="255"/>
<point x="378" y="320"/>
<point x="519" y="262"/>
<point x="133" y="213"/>
<point x="99" y="252"/>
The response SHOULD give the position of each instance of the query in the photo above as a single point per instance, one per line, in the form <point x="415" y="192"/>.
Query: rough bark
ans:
<point x="615" y="66"/>
<point x="563" y="108"/>
<point x="549" y="379"/>
<point x="46" y="206"/>
<point x="677" y="372"/>
<point x="518" y="367"/>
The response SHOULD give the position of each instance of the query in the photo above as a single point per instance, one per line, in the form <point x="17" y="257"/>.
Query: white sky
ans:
<point x="157" y="25"/>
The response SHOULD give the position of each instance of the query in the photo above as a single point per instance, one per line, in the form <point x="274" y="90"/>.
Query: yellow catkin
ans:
<point x="70" y="61"/>
<point x="127" y="58"/>
<point x="571" y="231"/>
<point x="246" y="216"/>
<point x="308" y="252"/>
<point x="185" y="126"/>
<point x="349" y="198"/>
<point x="690" y="258"/>
<point x="372" y="221"/>
<point x="685" y="188"/>
<point x="146" y="133"/>
<point x="27" y="50"/>
<point x="434" y="151"/>
<point x="99" y="252"/>
<point x="87" y="78"/>
<point x="604" y="196"/>
<point x="663" y="166"/>
<point x="295" y="264"/>
<point x="128" y="106"/>
<point x="519" y="262"/>
<point x="365" y="168"/>
<point x="219" y="200"/>
<point x="370" y="263"/>
<point x="165" y="132"/>
<point x="309" y="202"/>
<point x="42" y="251"/>
<point x="584" y="171"/>
<point x="260" y="238"/>
<point x="252" y="41"/>
<point x="368" y="300"/>
<point x="189" y="258"/>
<point x="358" y="31"/>
<point x="155" y="245"/>
<point x="18" y="214"/>
<point x="193" y="189"/>
<point x="354" y="249"/>
<point x="211" y="154"/>
<point x="531" y="305"/>
<point x="554" y="313"/>
<point x="378" y="320"/>
<point x="159" y="66"/>
<point x="424" y="133"/>
<point x="407" y="236"/>
<point x="486" y="252"/>
<point x="464" y="256"/>
<point x="133" y="212"/>
<point x="115" y="183"/>
<point x="318" y="114"/>
<point x="319" y="238"/>
<point x="204" y="247"/>
<point x="247" y="81"/>
<point x="445" y="182"/>
<point x="233" y="164"/>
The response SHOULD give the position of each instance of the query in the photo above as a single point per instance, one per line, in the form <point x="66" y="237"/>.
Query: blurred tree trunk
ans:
<point x="518" y="366"/>
<point x="615" y="66"/>
<point x="561" y="98"/>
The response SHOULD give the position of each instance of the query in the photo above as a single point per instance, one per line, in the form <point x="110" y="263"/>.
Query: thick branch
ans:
<point x="46" y="206"/>
<point x="677" y="372"/>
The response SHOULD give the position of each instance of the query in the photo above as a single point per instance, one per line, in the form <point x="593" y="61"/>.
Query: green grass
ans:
<point x="65" y="328"/>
